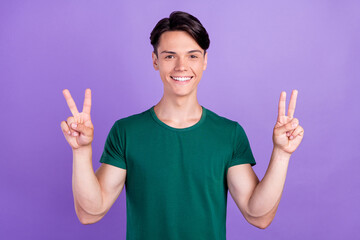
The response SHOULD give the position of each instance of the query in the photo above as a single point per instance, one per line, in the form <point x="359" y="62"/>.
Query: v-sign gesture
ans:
<point x="287" y="133"/>
<point x="78" y="129"/>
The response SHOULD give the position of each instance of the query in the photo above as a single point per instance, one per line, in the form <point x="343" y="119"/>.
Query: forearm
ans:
<point x="86" y="188"/>
<point x="267" y="194"/>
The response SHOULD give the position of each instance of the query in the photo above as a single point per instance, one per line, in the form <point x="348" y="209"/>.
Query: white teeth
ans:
<point x="181" y="78"/>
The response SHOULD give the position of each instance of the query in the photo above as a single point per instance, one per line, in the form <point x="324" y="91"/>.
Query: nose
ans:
<point x="180" y="65"/>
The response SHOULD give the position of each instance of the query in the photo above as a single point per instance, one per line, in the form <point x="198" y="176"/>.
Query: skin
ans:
<point x="94" y="193"/>
<point x="258" y="200"/>
<point x="75" y="137"/>
<point x="180" y="55"/>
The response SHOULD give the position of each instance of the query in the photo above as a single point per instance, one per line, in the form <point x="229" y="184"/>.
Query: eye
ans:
<point x="193" y="56"/>
<point x="169" y="56"/>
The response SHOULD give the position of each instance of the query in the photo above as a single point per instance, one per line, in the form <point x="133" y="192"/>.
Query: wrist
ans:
<point x="83" y="149"/>
<point x="281" y="154"/>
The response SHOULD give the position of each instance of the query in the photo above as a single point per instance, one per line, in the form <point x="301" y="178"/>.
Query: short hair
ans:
<point x="180" y="21"/>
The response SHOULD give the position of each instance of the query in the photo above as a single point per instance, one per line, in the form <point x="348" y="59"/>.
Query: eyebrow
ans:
<point x="170" y="52"/>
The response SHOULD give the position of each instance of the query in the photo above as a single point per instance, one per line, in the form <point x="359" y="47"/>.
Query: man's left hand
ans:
<point x="287" y="133"/>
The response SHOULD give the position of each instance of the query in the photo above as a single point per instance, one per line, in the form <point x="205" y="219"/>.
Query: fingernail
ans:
<point x="75" y="134"/>
<point x="291" y="137"/>
<point x="74" y="125"/>
<point x="69" y="132"/>
<point x="294" y="124"/>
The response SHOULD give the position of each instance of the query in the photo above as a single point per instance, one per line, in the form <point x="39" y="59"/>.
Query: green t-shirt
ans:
<point x="176" y="184"/>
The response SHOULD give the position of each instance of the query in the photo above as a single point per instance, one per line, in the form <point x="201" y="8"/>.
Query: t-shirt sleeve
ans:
<point x="113" y="153"/>
<point x="242" y="152"/>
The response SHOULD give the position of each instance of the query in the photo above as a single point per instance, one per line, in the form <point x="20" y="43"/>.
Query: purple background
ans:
<point x="256" y="51"/>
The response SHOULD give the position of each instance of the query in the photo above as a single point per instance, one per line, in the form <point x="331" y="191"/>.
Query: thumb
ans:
<point x="79" y="127"/>
<point x="287" y="127"/>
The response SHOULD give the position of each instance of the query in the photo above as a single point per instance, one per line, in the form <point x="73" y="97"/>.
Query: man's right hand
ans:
<point x="78" y="129"/>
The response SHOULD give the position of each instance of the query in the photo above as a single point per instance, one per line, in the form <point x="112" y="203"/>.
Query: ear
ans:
<point x="205" y="61"/>
<point x="155" y="61"/>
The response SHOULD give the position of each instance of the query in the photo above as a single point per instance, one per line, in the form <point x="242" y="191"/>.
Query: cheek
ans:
<point x="198" y="67"/>
<point x="165" y="67"/>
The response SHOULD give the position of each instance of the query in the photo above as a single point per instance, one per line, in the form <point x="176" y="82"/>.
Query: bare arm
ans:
<point x="94" y="194"/>
<point x="258" y="201"/>
<point x="86" y="188"/>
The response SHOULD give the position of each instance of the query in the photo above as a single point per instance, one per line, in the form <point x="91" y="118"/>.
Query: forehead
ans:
<point x="177" y="40"/>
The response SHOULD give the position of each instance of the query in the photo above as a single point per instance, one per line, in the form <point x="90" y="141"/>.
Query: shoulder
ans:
<point x="226" y="125"/>
<point x="134" y="120"/>
<point x="221" y="121"/>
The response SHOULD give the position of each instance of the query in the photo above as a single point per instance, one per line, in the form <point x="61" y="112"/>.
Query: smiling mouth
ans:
<point x="182" y="79"/>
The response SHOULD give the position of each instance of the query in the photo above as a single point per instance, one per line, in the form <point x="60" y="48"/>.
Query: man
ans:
<point x="178" y="159"/>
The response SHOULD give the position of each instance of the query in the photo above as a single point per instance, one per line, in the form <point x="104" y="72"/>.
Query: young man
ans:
<point x="178" y="159"/>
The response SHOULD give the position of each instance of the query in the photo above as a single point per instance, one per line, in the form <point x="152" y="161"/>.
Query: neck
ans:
<point x="178" y="109"/>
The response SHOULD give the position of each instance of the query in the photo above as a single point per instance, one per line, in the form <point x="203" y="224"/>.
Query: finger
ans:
<point x="65" y="128"/>
<point x="87" y="101"/>
<point x="287" y="127"/>
<point x="70" y="103"/>
<point x="299" y="131"/>
<point x="288" y="134"/>
<point x="70" y="121"/>
<point x="81" y="128"/>
<point x="75" y="128"/>
<point x="292" y="104"/>
<point x="282" y="105"/>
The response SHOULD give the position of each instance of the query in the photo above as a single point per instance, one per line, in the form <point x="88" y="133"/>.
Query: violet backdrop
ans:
<point x="257" y="49"/>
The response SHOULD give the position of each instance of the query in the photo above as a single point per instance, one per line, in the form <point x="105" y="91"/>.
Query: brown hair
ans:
<point x="180" y="21"/>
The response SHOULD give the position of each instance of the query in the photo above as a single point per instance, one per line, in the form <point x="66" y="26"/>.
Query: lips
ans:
<point x="182" y="80"/>
<point x="181" y="77"/>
